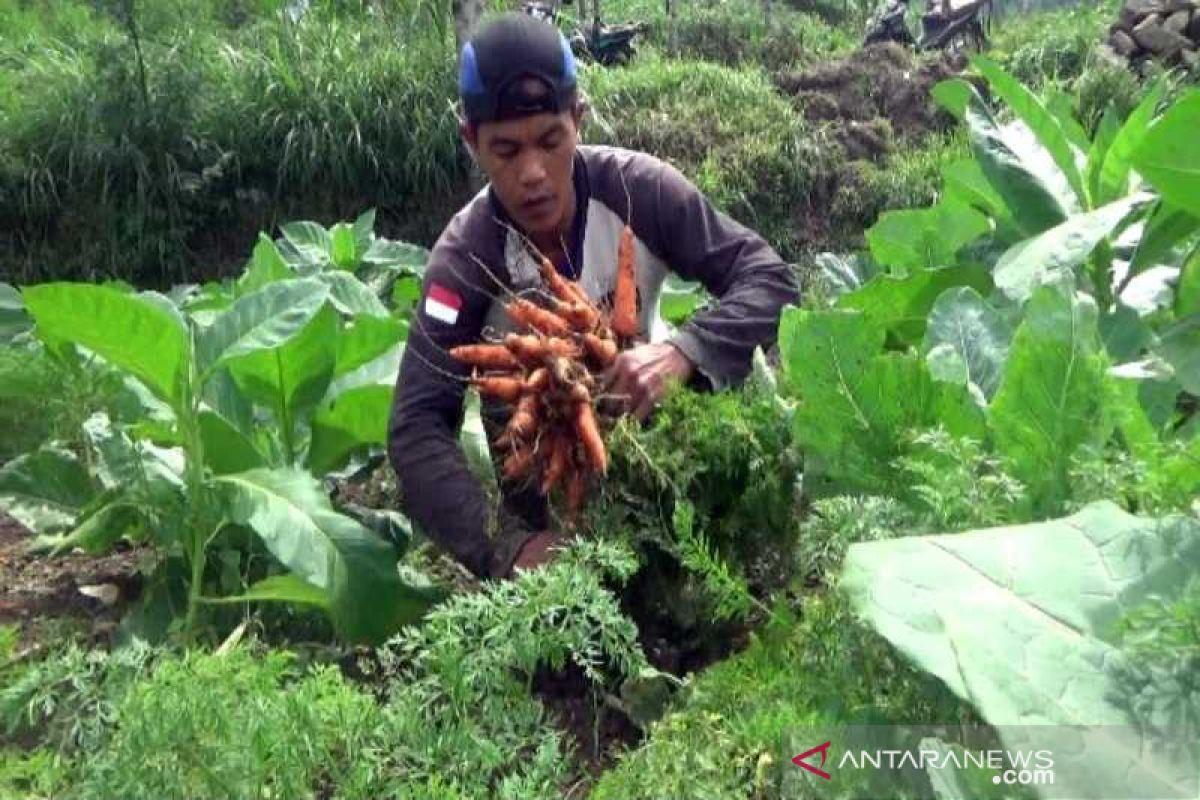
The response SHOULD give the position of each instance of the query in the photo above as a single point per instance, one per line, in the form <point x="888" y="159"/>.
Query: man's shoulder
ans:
<point x="603" y="160"/>
<point x="617" y="173"/>
<point x="473" y="229"/>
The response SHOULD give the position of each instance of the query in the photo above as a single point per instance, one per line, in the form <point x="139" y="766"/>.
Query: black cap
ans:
<point x="507" y="50"/>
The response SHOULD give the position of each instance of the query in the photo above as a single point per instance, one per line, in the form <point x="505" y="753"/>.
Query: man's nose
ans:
<point x="533" y="172"/>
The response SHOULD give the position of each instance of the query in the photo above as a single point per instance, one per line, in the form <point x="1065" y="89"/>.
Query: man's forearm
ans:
<point x="440" y="494"/>
<point x="720" y="342"/>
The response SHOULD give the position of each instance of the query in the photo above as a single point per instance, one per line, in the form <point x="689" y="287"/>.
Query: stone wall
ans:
<point x="1166" y="31"/>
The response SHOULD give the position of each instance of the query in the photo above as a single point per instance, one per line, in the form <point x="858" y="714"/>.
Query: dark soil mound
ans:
<point x="873" y="99"/>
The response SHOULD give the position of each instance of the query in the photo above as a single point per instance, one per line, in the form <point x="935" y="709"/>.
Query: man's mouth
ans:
<point x="538" y="205"/>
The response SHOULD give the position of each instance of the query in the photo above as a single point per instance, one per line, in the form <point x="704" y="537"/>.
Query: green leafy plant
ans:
<point x="315" y="355"/>
<point x="237" y="724"/>
<point x="1045" y="596"/>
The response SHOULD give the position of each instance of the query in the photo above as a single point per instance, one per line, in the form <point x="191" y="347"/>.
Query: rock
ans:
<point x="1136" y="9"/>
<point x="1105" y="52"/>
<point x="1123" y="43"/>
<point x="1189" y="58"/>
<point x="1151" y="35"/>
<point x="1178" y="22"/>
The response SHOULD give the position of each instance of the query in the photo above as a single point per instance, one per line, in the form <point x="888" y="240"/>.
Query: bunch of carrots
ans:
<point x="548" y="375"/>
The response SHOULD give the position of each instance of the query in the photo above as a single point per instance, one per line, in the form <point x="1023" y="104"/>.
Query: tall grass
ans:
<point x="145" y="152"/>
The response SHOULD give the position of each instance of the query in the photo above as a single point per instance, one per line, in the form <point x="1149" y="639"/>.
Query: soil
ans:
<point x="872" y="100"/>
<point x="38" y="593"/>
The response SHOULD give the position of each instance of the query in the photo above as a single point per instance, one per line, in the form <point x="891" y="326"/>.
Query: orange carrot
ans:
<point x="580" y="394"/>
<point x="589" y="434"/>
<point x="517" y="464"/>
<point x="485" y="356"/>
<point x="604" y="351"/>
<point x="524" y="419"/>
<point x="533" y="350"/>
<point x="538" y="380"/>
<point x="565" y="290"/>
<point x="557" y="460"/>
<point x="526" y="314"/>
<point x="580" y="316"/>
<point x="499" y="387"/>
<point x="624" y="313"/>
<point x="576" y="490"/>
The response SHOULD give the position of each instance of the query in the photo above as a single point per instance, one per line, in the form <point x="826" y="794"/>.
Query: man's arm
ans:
<point x="751" y="282"/>
<point x="437" y="489"/>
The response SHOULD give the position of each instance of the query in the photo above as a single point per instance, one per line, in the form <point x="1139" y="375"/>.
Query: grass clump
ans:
<point x="1052" y="45"/>
<point x="734" y="729"/>
<point x="739" y="35"/>
<point x="754" y="166"/>
<point x="152" y="153"/>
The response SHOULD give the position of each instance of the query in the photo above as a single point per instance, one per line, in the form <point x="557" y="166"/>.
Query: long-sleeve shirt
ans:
<point x="676" y="229"/>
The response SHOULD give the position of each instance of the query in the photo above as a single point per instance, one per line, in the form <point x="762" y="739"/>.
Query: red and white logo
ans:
<point x="800" y="761"/>
<point x="443" y="304"/>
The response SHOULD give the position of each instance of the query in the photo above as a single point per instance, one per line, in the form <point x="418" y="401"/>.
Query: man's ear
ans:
<point x="470" y="136"/>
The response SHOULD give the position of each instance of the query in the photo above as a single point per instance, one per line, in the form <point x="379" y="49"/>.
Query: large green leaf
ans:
<point x="1167" y="235"/>
<point x="902" y="304"/>
<point x="1051" y="258"/>
<point x="354" y="567"/>
<point x="351" y="296"/>
<point x="1015" y="169"/>
<point x="1187" y="294"/>
<point x="270" y="317"/>
<point x="397" y="256"/>
<point x="366" y="338"/>
<point x="226" y="449"/>
<point x="1168" y="157"/>
<point x="266" y="267"/>
<point x="354" y="419"/>
<point x="954" y="95"/>
<point x="45" y="490"/>
<point x="1040" y="120"/>
<point x="924" y="238"/>
<point x="13" y="319"/>
<point x="343" y="250"/>
<point x="1179" y="344"/>
<point x="131" y="332"/>
<point x="963" y="321"/>
<point x="1114" y="174"/>
<point x="857" y="404"/>
<point x="1051" y="399"/>
<point x="1019" y="622"/>
<point x="364" y="232"/>
<point x="285" y="588"/>
<point x="306" y="246"/>
<point x="294" y="375"/>
<point x="963" y="181"/>
<point x="101" y="530"/>
<point x="1106" y="135"/>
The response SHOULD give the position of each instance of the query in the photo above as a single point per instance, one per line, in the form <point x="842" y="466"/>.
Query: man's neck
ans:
<point x="553" y="243"/>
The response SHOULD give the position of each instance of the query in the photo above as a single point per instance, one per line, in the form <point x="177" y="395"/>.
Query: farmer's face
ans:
<point x="529" y="163"/>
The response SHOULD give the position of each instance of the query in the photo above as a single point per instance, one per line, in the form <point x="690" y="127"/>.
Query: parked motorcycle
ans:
<point x="610" y="45"/>
<point x="943" y="27"/>
<point x="605" y="44"/>
<point x="889" y="25"/>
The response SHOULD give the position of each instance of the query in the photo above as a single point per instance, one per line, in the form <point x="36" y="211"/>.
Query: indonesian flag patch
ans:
<point x="443" y="304"/>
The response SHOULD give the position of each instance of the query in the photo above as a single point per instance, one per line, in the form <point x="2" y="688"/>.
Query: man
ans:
<point x="570" y="202"/>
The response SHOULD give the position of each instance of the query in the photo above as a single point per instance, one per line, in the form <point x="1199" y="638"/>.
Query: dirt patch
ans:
<point x="872" y="100"/>
<point x="37" y="590"/>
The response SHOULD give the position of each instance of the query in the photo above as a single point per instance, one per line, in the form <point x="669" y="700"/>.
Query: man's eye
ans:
<point x="551" y="142"/>
<point x="505" y="152"/>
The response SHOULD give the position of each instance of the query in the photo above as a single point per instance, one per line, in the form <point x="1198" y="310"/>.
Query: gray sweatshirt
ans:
<point x="676" y="229"/>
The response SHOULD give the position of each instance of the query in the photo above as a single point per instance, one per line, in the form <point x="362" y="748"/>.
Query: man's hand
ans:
<point x="537" y="551"/>
<point x="639" y="377"/>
